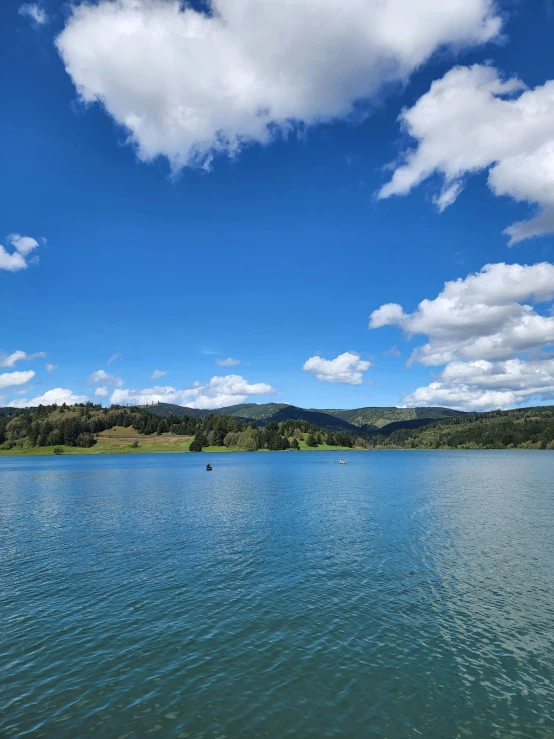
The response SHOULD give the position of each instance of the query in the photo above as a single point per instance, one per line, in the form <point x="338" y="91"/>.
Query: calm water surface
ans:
<point x="406" y="594"/>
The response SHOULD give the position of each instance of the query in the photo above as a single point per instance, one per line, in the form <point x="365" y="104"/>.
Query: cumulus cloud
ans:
<point x="9" y="360"/>
<point x="157" y="374"/>
<point x="16" y="259"/>
<point x="189" y="85"/>
<point x="102" y="376"/>
<point x="34" y="12"/>
<point x="219" y="392"/>
<point x="102" y="392"/>
<point x="56" y="396"/>
<point x="222" y="391"/>
<point x="461" y="397"/>
<point x="485" y="332"/>
<point x="473" y="120"/>
<point x="11" y="379"/>
<point x="387" y="315"/>
<point x="51" y="367"/>
<point x="347" y="367"/>
<point x="148" y="395"/>
<point x="229" y="362"/>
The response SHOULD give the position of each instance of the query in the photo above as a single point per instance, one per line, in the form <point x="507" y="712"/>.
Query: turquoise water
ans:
<point x="405" y="594"/>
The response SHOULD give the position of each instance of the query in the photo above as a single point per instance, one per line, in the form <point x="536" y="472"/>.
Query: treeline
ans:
<point x="79" y="425"/>
<point x="221" y="431"/>
<point x="524" y="428"/>
<point x="70" y="425"/>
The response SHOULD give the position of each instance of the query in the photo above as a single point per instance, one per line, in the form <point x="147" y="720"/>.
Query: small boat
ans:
<point x="341" y="461"/>
<point x="208" y="468"/>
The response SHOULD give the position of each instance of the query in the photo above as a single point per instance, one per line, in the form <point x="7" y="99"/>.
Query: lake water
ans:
<point x="405" y="594"/>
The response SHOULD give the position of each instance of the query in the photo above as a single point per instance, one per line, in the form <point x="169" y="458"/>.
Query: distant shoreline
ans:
<point x="150" y="449"/>
<point x="76" y="451"/>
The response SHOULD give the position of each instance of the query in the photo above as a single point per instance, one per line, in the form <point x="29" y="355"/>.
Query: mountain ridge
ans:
<point x="357" y="420"/>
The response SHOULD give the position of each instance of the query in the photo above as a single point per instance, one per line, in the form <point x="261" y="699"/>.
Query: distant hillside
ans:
<point x="8" y="412"/>
<point x="358" y="420"/>
<point x="379" y="417"/>
<point x="272" y="426"/>
<point x="262" y="414"/>
<point x="168" y="409"/>
<point x="56" y="429"/>
<point x="520" y="428"/>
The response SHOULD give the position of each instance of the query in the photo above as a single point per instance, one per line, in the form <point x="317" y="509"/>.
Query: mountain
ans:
<point x="519" y="428"/>
<point x="262" y="414"/>
<point x="379" y="417"/>
<point x="356" y="421"/>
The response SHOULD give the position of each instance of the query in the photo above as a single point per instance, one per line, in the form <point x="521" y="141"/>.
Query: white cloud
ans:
<point x="219" y="392"/>
<point x="102" y="376"/>
<point x="472" y="120"/>
<point x="461" y="397"/>
<point x="12" y="262"/>
<point x="482" y="316"/>
<point x="392" y="352"/>
<point x="388" y="314"/>
<point x="347" y="367"/>
<point x="229" y="362"/>
<point x="16" y="260"/>
<point x="51" y="367"/>
<point x="56" y="396"/>
<point x="189" y="85"/>
<point x="485" y="332"/>
<point x="157" y="374"/>
<point x="114" y="358"/>
<point x="23" y="244"/>
<point x="223" y="391"/>
<point x="34" y="12"/>
<point x="102" y="392"/>
<point x="9" y="360"/>
<point x="10" y="379"/>
<point x="147" y="396"/>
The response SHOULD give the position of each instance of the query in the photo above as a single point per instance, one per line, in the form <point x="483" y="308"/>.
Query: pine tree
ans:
<point x="311" y="440"/>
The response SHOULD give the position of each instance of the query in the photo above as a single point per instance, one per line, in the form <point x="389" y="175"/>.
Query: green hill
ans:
<point x="271" y="426"/>
<point x="57" y="429"/>
<point x="520" y="428"/>
<point x="350" y="421"/>
<point x="382" y="416"/>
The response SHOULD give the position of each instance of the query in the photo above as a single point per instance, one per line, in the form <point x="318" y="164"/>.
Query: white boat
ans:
<point x="341" y="461"/>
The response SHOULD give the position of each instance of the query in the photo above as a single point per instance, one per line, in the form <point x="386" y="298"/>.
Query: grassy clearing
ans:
<point x="106" y="445"/>
<point x="322" y="448"/>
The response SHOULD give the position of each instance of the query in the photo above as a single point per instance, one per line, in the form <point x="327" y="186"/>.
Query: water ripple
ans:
<point x="408" y="594"/>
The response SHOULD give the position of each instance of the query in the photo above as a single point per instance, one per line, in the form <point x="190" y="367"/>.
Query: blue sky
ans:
<point x="254" y="226"/>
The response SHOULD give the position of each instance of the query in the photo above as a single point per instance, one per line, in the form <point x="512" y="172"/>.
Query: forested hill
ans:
<point x="82" y="426"/>
<point x="262" y="414"/>
<point x="522" y="428"/>
<point x="379" y="417"/>
<point x="353" y="421"/>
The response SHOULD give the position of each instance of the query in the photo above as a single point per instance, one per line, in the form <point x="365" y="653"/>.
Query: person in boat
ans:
<point x="208" y="468"/>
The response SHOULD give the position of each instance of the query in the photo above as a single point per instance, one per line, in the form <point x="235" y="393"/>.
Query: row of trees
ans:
<point x="274" y="436"/>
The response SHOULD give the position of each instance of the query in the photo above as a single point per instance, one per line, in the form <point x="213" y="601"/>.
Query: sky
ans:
<point x="333" y="205"/>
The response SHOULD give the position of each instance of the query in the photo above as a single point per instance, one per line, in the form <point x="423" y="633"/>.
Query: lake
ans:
<point x="405" y="594"/>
